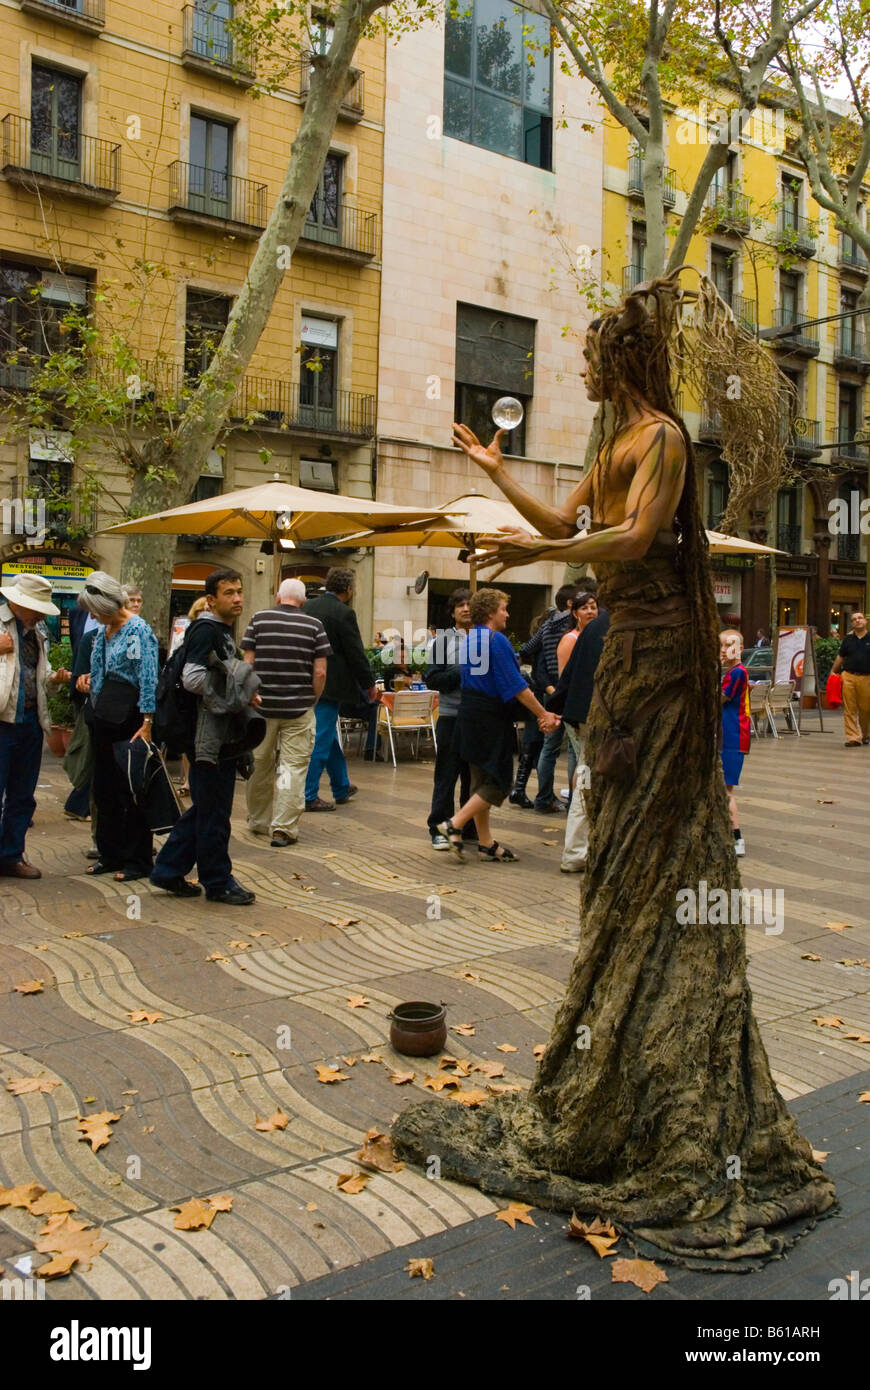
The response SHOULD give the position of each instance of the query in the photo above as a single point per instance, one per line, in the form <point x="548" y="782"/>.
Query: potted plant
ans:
<point x="59" y="704"/>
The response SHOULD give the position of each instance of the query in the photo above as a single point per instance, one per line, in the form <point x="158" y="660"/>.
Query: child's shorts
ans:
<point x="732" y="765"/>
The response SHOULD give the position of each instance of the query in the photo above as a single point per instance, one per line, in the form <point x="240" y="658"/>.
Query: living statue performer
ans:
<point x="653" y="1105"/>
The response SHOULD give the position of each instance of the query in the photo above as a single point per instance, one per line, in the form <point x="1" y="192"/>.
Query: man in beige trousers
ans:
<point x="288" y="649"/>
<point x="853" y="660"/>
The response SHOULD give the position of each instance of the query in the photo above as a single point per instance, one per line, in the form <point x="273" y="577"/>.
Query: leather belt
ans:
<point x="674" y="611"/>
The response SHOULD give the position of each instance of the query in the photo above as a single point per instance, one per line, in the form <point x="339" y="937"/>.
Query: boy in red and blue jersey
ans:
<point x="735" y="722"/>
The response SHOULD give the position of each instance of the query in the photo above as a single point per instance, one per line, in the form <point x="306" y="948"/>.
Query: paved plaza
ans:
<point x="252" y="1001"/>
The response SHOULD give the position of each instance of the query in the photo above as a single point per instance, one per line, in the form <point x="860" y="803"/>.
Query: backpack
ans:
<point x="175" y="708"/>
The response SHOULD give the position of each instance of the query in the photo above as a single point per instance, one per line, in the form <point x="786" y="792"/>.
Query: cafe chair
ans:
<point x="412" y="712"/>
<point x="757" y="704"/>
<point x="779" y="701"/>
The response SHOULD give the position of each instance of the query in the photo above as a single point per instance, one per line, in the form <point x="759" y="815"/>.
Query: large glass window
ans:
<point x="204" y="326"/>
<point x="494" y="357"/>
<point x="319" y="372"/>
<point x="33" y="307"/>
<point x="55" y="123"/>
<point x="722" y="272"/>
<point x="498" y="80"/>
<point x="324" y="216"/>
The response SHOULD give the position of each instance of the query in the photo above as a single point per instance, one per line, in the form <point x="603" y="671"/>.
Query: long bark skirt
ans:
<point x="653" y="1105"/>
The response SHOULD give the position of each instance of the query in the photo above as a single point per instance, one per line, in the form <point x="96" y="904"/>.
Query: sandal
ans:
<point x="130" y="875"/>
<point x="101" y="868"/>
<point x="499" y="854"/>
<point x="453" y="836"/>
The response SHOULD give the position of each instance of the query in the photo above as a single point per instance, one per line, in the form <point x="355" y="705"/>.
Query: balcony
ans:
<point x="804" y="437"/>
<point x="208" y="46"/>
<point x="66" y="162"/>
<point x="635" y="181"/>
<point x="273" y="403"/>
<point x="350" y="236"/>
<point x="210" y="197"/>
<point x="353" y="106"/>
<point x="710" y="427"/>
<point x="851" y="257"/>
<point x="731" y="208"/>
<point x="788" y="537"/>
<point x="795" y="234"/>
<point x="792" y="333"/>
<point x="632" y="276"/>
<point x="745" y="312"/>
<point x="851" y="447"/>
<point x="850" y="352"/>
<point x="88" y="16"/>
<point x="64" y="521"/>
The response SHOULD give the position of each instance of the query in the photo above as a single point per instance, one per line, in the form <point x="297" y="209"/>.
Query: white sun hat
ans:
<point x="31" y="591"/>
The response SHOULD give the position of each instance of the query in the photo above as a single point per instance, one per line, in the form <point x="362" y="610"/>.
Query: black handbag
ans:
<point x="117" y="700"/>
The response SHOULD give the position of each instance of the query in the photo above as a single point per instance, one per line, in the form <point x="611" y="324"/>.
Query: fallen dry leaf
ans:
<point x="517" y="1211"/>
<point x="193" y="1215"/>
<point x="216" y="955"/>
<point x="540" y="1049"/>
<point x="90" y="1100"/>
<point x="62" y="1220"/>
<point x="333" y="854"/>
<point x="468" y="975"/>
<point x="471" y="1098"/>
<point x="329" y="1074"/>
<point x="446" y="1061"/>
<point x="26" y="1085"/>
<point x="864" y="1096"/>
<point x="311" y="1206"/>
<point x="279" y="1120"/>
<point x="465" y="1030"/>
<point x="490" y="1069"/>
<point x="142" y="1016"/>
<point x="463" y="1067"/>
<point x="57" y="1265"/>
<point x="259" y="933"/>
<point x="357" y="1001"/>
<point x="95" y="1128"/>
<point x="29" y="987"/>
<point x="597" y="1233"/>
<point x="224" y="1202"/>
<point x="498" y="926"/>
<point x="377" y="1152"/>
<point x="420" y="1269"/>
<point x="71" y="935"/>
<point x="24" y="1195"/>
<point x="439" y="1082"/>
<point x="129" y="1093"/>
<point x="370" y="1057"/>
<point x="820" y="1155"/>
<point x="810" y="956"/>
<point x="855" y="961"/>
<point x="498" y="1089"/>
<point x="349" y="1061"/>
<point x="240" y="945"/>
<point x="71" y="1246"/>
<point x="342" y="921"/>
<point x="838" y="926"/>
<point x="401" y="1078"/>
<point x="148" y="1129"/>
<point x="52" y="1204"/>
<point x="857" y="1037"/>
<point x="830" y="1022"/>
<point x="644" y="1273"/>
<point x="506" y="1047"/>
<point x="352" y="1183"/>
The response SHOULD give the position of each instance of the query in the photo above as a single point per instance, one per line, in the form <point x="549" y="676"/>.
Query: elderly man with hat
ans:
<point x="24" y="674"/>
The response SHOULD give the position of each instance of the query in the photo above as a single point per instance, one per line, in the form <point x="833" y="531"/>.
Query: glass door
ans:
<point x="210" y="36"/>
<point x="210" y="155"/>
<point x="55" y="121"/>
<point x="324" y="215"/>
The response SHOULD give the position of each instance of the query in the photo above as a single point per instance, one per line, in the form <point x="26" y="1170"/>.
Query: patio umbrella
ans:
<point x="720" y="544"/>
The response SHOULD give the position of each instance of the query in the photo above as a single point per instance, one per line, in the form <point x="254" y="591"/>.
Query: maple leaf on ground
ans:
<point x="864" y="1096"/>
<point x="57" y="1265"/>
<point x="342" y="921"/>
<point x="377" y="1152"/>
<point x="259" y="933"/>
<point x="277" y="1121"/>
<point x="29" y="987"/>
<point x="854" y="961"/>
<point x="810" y="956"/>
<point x="327" y="1075"/>
<point x="21" y="1196"/>
<point x="857" y="1037"/>
<point x="465" y="1030"/>
<point x="240" y="945"/>
<point x="463" y="1067"/>
<point x="357" y="1001"/>
<point x="71" y="935"/>
<point x="644" y="1273"/>
<point x="26" y="1085"/>
<point x="420" y="1269"/>
<point x="142" y="1016"/>
<point x="352" y="1183"/>
<point x="490" y="1069"/>
<point x="82" y="1246"/>
<point x="62" y="1220"/>
<point x="596" y="1233"/>
<point x="311" y="1206"/>
<point x="52" y="1204"/>
<point x="471" y="1098"/>
<point x="820" y="1155"/>
<point x="401" y="1078"/>
<point x="506" y="1047"/>
<point x="193" y="1215"/>
<point x="517" y="1211"/>
<point x="446" y="1061"/>
<point x="830" y="1022"/>
<point x="369" y="1057"/>
<point x="224" y="1202"/>
<point x="497" y="1089"/>
<point x="95" y="1128"/>
<point x="216" y="955"/>
<point x="540" y="1049"/>
<point x="498" y="926"/>
<point x="439" y="1082"/>
<point x="838" y="926"/>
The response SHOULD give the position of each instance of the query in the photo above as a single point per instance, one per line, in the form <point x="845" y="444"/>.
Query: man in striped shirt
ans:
<point x="288" y="649"/>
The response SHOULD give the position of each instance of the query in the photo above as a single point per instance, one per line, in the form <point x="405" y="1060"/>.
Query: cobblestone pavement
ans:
<point x="351" y="911"/>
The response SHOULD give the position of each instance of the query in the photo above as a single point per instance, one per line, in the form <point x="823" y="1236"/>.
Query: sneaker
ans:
<point x="740" y="847"/>
<point x="440" y="841"/>
<point x="565" y="793"/>
<point x="555" y="808"/>
<point x="578" y="867"/>
<point x="342" y="800"/>
<point x="233" y="896"/>
<point x="178" y="887"/>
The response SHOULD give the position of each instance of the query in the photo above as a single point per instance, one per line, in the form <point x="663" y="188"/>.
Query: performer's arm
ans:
<point x="559" y="522"/>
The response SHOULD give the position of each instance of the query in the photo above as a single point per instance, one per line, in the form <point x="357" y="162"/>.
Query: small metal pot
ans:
<point x="418" y="1029"/>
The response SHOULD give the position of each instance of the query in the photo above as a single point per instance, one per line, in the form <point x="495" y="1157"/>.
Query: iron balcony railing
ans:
<point x="73" y="519"/>
<point x="272" y="402"/>
<point x="353" y="103"/>
<point x="206" y="37"/>
<point x="849" y="447"/>
<point x="87" y="14"/>
<point x="796" y="233"/>
<point x="851" y="255"/>
<point x="66" y="155"/>
<point x="731" y="206"/>
<point x="803" y="436"/>
<point x="788" y="537"/>
<point x="635" y="180"/>
<point x="849" y="546"/>
<point x="632" y="275"/>
<point x="215" y="193"/>
<point x="710" y="426"/>
<point x="350" y="229"/>
<point x="802" y="333"/>
<point x="850" y="345"/>
<point x="744" y="311"/>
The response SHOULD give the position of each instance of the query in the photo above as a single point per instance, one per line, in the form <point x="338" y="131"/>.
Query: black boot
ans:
<point x="524" y="771"/>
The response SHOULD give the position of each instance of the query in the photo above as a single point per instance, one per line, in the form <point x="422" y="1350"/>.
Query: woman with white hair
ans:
<point x="121" y="688"/>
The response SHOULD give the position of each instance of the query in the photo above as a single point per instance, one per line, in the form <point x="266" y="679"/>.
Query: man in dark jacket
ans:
<point x="444" y="674"/>
<point x="347" y="672"/>
<point x="574" y="687"/>
<point x="546" y="640"/>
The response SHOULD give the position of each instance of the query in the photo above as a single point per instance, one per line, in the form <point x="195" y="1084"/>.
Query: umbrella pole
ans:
<point x="472" y="582"/>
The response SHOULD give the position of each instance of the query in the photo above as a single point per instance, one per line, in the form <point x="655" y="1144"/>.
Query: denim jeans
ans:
<point x="20" y="757"/>
<point x="327" y="753"/>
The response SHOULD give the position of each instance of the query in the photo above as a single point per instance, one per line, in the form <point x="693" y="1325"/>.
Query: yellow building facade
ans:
<point x="778" y="259"/>
<point x="131" y="136"/>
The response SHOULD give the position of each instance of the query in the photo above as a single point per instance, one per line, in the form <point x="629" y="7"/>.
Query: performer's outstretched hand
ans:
<point x="490" y="460"/>
<point x="509" y="549"/>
